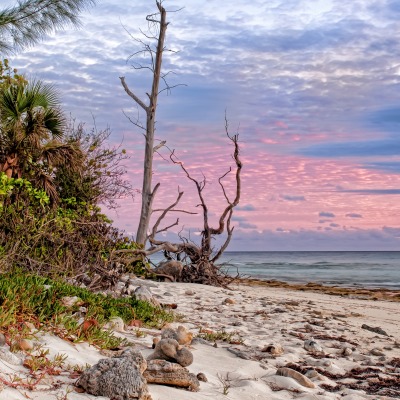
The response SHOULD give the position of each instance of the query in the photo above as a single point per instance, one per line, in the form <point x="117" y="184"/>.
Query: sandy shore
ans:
<point x="350" y="360"/>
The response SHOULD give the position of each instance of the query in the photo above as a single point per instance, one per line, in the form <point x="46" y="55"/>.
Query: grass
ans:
<point x="27" y="297"/>
<point x="220" y="335"/>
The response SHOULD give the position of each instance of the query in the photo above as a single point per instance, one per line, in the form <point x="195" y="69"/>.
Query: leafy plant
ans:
<point x="27" y="297"/>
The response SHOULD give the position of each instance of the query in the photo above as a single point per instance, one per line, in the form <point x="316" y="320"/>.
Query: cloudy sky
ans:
<point x="312" y="87"/>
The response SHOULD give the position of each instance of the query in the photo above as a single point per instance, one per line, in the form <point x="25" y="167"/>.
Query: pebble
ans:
<point x="190" y="292"/>
<point x="312" y="346"/>
<point x="377" y="352"/>
<point x="201" y="377"/>
<point x="273" y="349"/>
<point x="24" y="344"/>
<point x="347" y="351"/>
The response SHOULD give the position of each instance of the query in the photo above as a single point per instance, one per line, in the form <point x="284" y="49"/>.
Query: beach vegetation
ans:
<point x="38" y="300"/>
<point x="220" y="335"/>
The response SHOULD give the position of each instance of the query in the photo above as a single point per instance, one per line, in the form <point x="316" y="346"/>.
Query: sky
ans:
<point x="311" y="86"/>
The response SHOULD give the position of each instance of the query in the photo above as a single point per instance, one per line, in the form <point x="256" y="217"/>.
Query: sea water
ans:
<point x="367" y="269"/>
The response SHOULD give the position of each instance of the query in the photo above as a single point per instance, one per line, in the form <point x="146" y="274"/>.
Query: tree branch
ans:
<point x="133" y="95"/>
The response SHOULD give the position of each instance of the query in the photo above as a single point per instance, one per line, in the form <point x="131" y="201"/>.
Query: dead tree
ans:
<point x="148" y="192"/>
<point x="200" y="258"/>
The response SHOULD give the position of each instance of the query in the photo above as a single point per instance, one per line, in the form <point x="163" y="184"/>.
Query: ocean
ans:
<point x="369" y="269"/>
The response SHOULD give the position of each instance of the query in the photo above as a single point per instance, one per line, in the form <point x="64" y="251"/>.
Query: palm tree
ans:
<point x="31" y="132"/>
<point x="26" y="23"/>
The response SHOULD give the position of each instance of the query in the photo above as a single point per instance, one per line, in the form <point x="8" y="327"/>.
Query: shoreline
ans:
<point x="356" y="292"/>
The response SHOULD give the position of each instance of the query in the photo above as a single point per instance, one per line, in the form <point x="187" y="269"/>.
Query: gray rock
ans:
<point x="119" y="378"/>
<point x="144" y="294"/>
<point x="239" y="353"/>
<point x="312" y="346"/>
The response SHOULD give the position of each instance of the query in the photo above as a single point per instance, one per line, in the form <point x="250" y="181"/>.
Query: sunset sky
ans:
<point x="312" y="87"/>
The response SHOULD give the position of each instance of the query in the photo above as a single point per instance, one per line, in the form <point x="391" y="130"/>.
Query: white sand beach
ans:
<point x="262" y="320"/>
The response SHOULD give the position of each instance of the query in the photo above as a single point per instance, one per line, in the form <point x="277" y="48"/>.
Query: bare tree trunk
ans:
<point x="147" y="192"/>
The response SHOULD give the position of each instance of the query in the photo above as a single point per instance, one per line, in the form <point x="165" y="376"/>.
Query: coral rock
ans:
<point x="297" y="376"/>
<point x="166" y="373"/>
<point x="170" y="350"/>
<point x="119" y="378"/>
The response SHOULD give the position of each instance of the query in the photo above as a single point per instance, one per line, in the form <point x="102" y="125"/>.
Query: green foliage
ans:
<point x="29" y="21"/>
<point x="8" y="75"/>
<point x="220" y="335"/>
<point x="28" y="297"/>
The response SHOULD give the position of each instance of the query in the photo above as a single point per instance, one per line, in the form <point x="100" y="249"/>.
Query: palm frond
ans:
<point x="30" y="20"/>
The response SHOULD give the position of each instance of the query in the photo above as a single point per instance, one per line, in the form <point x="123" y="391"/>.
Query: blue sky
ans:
<point x="312" y="86"/>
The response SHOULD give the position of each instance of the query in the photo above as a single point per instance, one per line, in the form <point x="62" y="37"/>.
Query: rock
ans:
<point x="376" y="329"/>
<point x="9" y="357"/>
<point x="377" y="352"/>
<point x="69" y="301"/>
<point x="274" y="349"/>
<point x="24" y="344"/>
<point x="115" y="323"/>
<point x="190" y="292"/>
<point x="300" y="378"/>
<point x="312" y="346"/>
<point x="119" y="378"/>
<point x="2" y="340"/>
<point x="181" y="335"/>
<point x="347" y="351"/>
<point x="170" y="350"/>
<point x="31" y="327"/>
<point x="201" y="377"/>
<point x="144" y="294"/>
<point x="166" y="373"/>
<point x="239" y="353"/>
<point x="171" y="268"/>
<point x="311" y="373"/>
<point x="228" y="301"/>
<point x="199" y="340"/>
